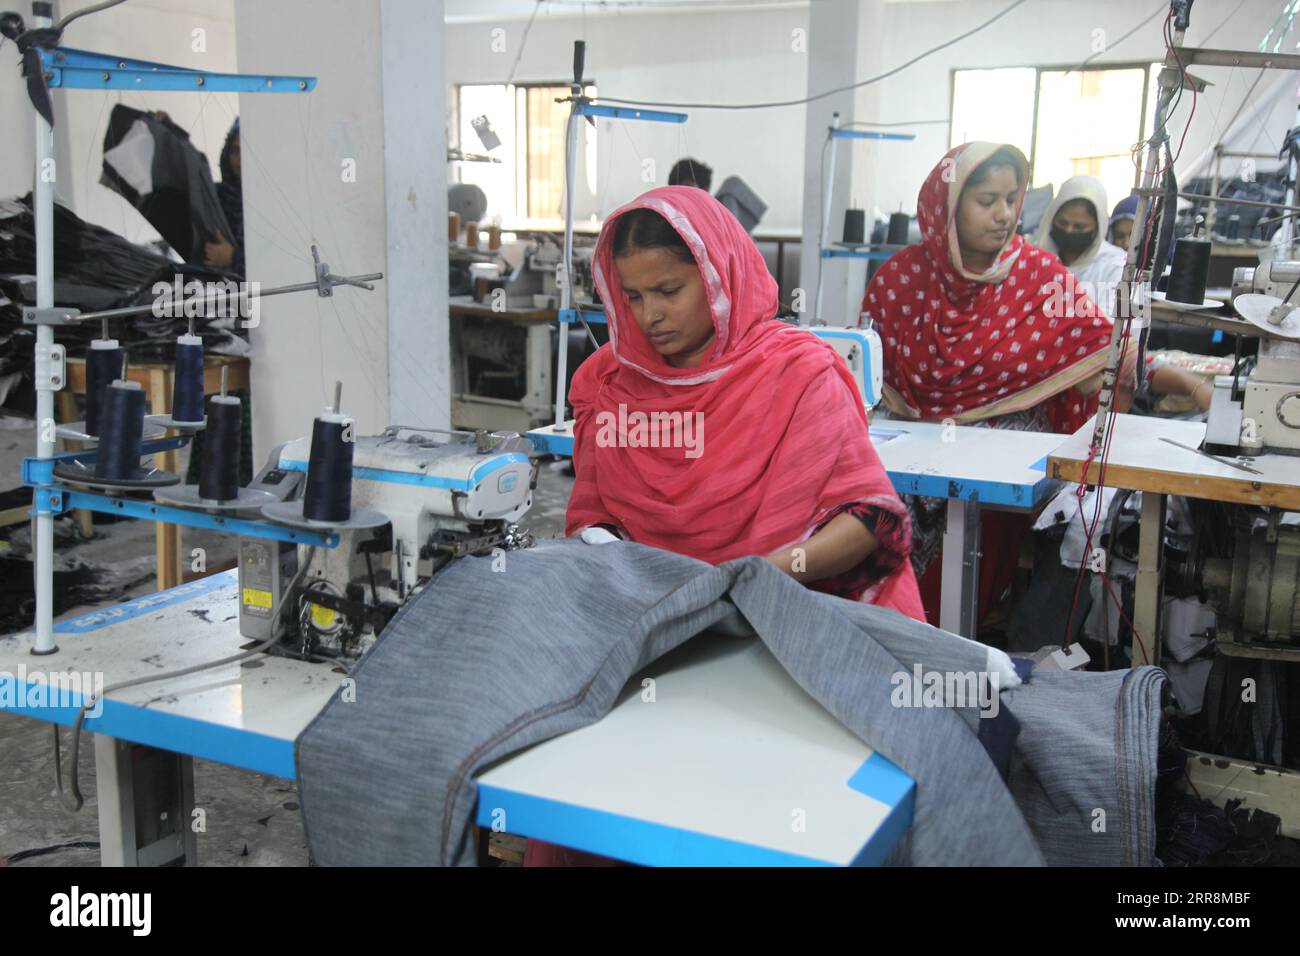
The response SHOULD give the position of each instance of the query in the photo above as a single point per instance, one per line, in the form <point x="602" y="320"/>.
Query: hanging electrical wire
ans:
<point x="1111" y="46"/>
<point x="524" y="41"/>
<point x="93" y="8"/>
<point x="820" y="96"/>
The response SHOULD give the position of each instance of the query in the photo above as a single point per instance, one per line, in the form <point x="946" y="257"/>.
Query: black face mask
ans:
<point x="1072" y="243"/>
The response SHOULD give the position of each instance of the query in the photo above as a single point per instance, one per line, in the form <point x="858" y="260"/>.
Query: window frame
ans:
<point x="519" y="89"/>
<point x="1039" y="70"/>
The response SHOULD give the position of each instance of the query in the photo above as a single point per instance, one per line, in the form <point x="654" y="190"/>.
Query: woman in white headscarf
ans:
<point x="1071" y="228"/>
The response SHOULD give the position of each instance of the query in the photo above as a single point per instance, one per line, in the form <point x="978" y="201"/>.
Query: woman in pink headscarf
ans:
<point x="710" y="428"/>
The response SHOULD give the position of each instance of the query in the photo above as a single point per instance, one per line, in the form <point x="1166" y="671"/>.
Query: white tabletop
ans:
<point x="246" y="715"/>
<point x="995" y="466"/>
<point x="1141" y="459"/>
<point x="731" y="763"/>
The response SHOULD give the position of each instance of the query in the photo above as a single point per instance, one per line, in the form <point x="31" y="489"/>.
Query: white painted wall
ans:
<point x="158" y="30"/>
<point x="293" y="149"/>
<point x="375" y="62"/>
<point x="727" y="57"/>
<point x="745" y="56"/>
<point x="415" y="200"/>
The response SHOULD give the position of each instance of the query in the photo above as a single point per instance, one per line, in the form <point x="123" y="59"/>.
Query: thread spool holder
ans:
<point x="71" y="69"/>
<point x="55" y="499"/>
<point x="190" y="496"/>
<point x="293" y="513"/>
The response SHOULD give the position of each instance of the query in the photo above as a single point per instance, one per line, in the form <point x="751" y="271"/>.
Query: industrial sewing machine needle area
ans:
<point x="419" y="499"/>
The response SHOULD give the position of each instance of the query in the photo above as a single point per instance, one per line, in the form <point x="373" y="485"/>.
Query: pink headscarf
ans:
<point x="784" y="440"/>
<point x="967" y="347"/>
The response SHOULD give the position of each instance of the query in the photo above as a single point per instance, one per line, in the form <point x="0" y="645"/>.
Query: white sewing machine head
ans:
<point x="862" y="353"/>
<point x="1260" y="412"/>
<point x="445" y="494"/>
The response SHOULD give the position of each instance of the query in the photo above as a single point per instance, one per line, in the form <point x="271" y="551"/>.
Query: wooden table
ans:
<point x="1141" y="460"/>
<point x="158" y="380"/>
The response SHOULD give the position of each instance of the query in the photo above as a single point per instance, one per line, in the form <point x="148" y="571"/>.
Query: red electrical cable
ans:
<point x="1108" y="429"/>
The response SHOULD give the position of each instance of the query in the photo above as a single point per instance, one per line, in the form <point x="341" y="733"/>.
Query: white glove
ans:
<point x="594" y="535"/>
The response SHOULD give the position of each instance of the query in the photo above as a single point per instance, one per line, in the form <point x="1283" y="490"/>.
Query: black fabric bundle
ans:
<point x="94" y="268"/>
<point x="153" y="165"/>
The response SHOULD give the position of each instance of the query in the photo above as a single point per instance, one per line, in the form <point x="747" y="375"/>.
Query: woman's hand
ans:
<point x="1203" y="394"/>
<point x="1167" y="380"/>
<point x="219" y="254"/>
<point x="843" y="543"/>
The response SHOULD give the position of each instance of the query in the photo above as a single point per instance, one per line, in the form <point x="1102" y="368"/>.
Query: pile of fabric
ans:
<point x="480" y="665"/>
<point x="94" y="268"/>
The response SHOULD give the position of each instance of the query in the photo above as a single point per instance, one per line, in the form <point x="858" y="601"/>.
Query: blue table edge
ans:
<point x="655" y="844"/>
<point x="1016" y="495"/>
<point x="237" y="747"/>
<point x="636" y="841"/>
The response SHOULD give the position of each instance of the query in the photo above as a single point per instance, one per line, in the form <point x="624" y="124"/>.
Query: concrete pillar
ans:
<point x="358" y="166"/>
<point x="844" y="44"/>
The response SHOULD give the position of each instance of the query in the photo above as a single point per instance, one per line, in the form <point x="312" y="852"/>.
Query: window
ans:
<point x="528" y="182"/>
<point x="1068" y="122"/>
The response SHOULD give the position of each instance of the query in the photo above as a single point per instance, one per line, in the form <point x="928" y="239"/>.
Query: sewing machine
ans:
<point x="420" y="497"/>
<point x="536" y="277"/>
<point x="862" y="353"/>
<point x="1260" y="414"/>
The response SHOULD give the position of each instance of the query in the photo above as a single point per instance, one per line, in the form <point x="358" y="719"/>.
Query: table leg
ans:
<point x="538" y="367"/>
<point x="1146" y="599"/>
<point x="167" y="537"/>
<point x="146" y="802"/>
<point x="959" y="597"/>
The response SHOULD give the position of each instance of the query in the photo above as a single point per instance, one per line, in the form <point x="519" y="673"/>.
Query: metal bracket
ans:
<point x="86" y="70"/>
<point x="49" y="501"/>
<point x="584" y="107"/>
<point x="51" y="367"/>
<point x="841" y="133"/>
<point x="569" y="316"/>
<point x="326" y="280"/>
<point x="323" y="287"/>
<point x="40" y="471"/>
<point x="56" y="316"/>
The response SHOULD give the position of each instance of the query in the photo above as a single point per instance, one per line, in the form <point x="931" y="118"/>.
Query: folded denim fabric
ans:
<point x="483" y="663"/>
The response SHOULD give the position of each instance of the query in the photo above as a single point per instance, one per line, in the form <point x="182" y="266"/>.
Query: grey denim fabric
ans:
<point x="1085" y="764"/>
<point x="482" y="664"/>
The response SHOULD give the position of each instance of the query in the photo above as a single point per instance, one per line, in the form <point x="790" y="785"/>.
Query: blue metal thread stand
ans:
<point x="81" y="69"/>
<point x="582" y="106"/>
<point x="824" y="249"/>
<point x="569" y="316"/>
